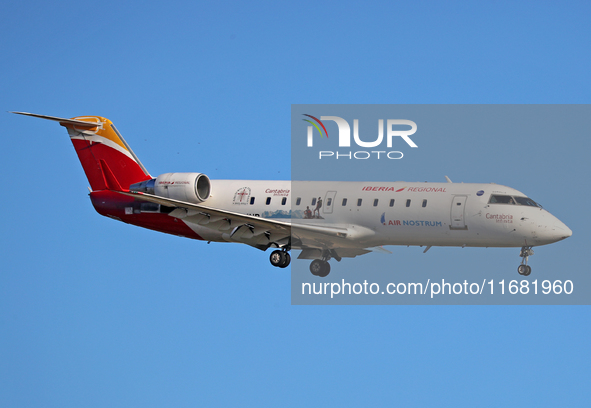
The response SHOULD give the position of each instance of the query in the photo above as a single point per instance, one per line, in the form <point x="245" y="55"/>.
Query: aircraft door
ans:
<point x="458" y="211"/>
<point x="329" y="202"/>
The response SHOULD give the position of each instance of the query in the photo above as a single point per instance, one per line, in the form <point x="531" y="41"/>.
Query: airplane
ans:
<point x="324" y="219"/>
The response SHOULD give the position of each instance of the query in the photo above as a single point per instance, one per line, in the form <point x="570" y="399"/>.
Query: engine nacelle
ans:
<point x="188" y="187"/>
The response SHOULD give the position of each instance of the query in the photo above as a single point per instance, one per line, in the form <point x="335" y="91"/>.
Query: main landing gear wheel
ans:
<point x="280" y="259"/>
<point x="524" y="270"/>
<point x="320" y="268"/>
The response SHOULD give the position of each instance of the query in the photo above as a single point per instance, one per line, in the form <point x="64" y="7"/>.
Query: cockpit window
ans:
<point x="526" y="201"/>
<point x="501" y="199"/>
<point x="506" y="199"/>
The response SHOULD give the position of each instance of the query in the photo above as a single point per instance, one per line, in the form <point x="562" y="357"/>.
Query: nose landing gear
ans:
<point x="524" y="269"/>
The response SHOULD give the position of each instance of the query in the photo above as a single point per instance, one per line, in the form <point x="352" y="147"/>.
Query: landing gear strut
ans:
<point x="280" y="259"/>
<point x="524" y="269"/>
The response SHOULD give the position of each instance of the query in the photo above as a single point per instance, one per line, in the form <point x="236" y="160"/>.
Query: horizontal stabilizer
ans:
<point x="62" y="120"/>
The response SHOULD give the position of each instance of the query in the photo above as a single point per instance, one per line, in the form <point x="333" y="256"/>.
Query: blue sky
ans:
<point x="99" y="313"/>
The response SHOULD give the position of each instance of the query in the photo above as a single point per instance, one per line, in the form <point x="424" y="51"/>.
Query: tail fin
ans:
<point x="108" y="161"/>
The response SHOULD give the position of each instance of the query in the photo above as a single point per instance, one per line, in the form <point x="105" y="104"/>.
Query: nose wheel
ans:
<point x="524" y="269"/>
<point x="280" y="259"/>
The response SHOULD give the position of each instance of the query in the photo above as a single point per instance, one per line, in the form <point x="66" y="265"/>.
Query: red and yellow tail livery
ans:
<point x="108" y="161"/>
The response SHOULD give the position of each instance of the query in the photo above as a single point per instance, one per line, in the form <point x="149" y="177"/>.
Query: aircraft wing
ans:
<point x="261" y="233"/>
<point x="255" y="231"/>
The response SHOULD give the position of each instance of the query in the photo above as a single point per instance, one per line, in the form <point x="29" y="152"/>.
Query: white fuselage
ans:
<point x="392" y="213"/>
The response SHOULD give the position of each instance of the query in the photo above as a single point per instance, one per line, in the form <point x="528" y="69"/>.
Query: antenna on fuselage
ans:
<point x="448" y="180"/>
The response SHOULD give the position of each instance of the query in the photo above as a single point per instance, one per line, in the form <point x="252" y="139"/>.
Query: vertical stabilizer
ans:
<point x="108" y="161"/>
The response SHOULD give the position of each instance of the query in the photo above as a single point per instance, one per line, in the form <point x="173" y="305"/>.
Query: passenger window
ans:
<point x="251" y="200"/>
<point x="375" y="202"/>
<point x="283" y="200"/>
<point x="268" y="200"/>
<point x="359" y="200"/>
<point x="298" y="201"/>
<point x="314" y="201"/>
<point x="424" y="203"/>
<point x="408" y="203"/>
<point x="344" y="202"/>
<point x="392" y="203"/>
<point x="329" y="202"/>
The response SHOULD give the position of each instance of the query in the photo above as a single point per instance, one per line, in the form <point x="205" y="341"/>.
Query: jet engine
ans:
<point x="189" y="187"/>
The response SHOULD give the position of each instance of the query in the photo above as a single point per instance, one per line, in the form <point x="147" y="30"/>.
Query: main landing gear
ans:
<point x="320" y="268"/>
<point x="524" y="269"/>
<point x="280" y="258"/>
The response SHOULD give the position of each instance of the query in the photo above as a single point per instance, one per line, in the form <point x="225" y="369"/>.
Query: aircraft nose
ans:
<point x="559" y="231"/>
<point x="564" y="231"/>
<point x="550" y="229"/>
